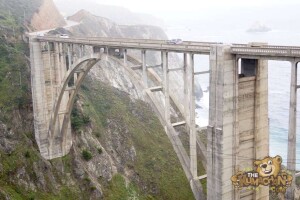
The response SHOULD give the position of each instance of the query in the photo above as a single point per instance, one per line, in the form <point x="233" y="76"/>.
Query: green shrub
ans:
<point x="97" y="134"/>
<point x="99" y="150"/>
<point x="86" y="154"/>
<point x="92" y="188"/>
<point x="27" y="154"/>
<point x="79" y="120"/>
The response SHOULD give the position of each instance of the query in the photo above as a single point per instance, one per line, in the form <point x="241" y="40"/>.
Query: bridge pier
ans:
<point x="47" y="72"/>
<point x="238" y="122"/>
<point x="125" y="57"/>
<point x="189" y="92"/>
<point x="144" y="68"/>
<point x="166" y="86"/>
<point x="291" y="155"/>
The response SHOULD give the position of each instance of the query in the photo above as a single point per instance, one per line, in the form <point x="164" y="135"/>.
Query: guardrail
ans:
<point x="267" y="51"/>
<point x="135" y="44"/>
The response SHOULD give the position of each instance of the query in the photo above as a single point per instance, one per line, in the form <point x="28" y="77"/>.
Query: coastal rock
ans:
<point x="259" y="27"/>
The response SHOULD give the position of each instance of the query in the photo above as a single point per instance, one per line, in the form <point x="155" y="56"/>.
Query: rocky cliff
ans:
<point x="47" y="17"/>
<point x="117" y="14"/>
<point x="33" y="14"/>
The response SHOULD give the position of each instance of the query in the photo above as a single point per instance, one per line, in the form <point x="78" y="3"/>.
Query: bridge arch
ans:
<point x="78" y="71"/>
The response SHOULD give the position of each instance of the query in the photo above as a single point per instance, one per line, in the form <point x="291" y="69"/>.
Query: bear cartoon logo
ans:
<point x="268" y="166"/>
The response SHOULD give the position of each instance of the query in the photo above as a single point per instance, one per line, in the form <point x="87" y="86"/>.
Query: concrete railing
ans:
<point x="198" y="48"/>
<point x="185" y="46"/>
<point x="267" y="51"/>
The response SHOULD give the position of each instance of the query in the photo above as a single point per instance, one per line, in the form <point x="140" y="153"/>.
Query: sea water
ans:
<point x="279" y="78"/>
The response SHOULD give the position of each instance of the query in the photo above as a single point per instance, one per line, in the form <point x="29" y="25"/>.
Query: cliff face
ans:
<point x="117" y="14"/>
<point x="47" y="17"/>
<point x="91" y="25"/>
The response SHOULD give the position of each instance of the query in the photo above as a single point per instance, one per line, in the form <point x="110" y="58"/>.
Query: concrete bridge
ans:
<point x="237" y="133"/>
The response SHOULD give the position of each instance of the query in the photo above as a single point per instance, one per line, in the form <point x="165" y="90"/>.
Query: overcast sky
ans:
<point x="192" y="5"/>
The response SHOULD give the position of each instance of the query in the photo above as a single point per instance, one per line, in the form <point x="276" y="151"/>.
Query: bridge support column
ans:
<point x="144" y="67"/>
<point x="125" y="57"/>
<point x="166" y="86"/>
<point x="189" y="90"/>
<point x="69" y="57"/>
<point x="221" y="128"/>
<point x="291" y="154"/>
<point x="238" y="130"/>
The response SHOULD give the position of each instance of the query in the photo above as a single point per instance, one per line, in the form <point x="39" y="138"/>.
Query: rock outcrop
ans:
<point x="47" y="17"/>
<point x="117" y="14"/>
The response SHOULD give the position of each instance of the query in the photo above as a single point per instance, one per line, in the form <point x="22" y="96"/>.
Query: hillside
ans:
<point x="33" y="14"/>
<point x="120" y="150"/>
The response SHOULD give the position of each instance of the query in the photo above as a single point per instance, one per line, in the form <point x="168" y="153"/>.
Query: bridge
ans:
<point x="237" y="133"/>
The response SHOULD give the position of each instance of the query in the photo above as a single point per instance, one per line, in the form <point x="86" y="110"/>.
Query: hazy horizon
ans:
<point x="213" y="15"/>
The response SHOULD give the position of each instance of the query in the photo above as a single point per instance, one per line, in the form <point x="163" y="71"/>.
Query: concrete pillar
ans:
<point x="291" y="156"/>
<point x="144" y="67"/>
<point x="222" y="120"/>
<point x="69" y="57"/>
<point x="125" y="57"/>
<point x="51" y="73"/>
<point x="253" y="129"/>
<point x="189" y="77"/>
<point x="107" y="52"/>
<point x="38" y="97"/>
<point x="80" y="51"/>
<point x="166" y="86"/>
<point x="185" y="88"/>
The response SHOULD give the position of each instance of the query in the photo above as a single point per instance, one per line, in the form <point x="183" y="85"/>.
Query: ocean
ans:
<point x="279" y="78"/>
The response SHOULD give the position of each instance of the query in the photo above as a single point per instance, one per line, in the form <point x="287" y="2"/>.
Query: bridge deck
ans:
<point x="265" y="51"/>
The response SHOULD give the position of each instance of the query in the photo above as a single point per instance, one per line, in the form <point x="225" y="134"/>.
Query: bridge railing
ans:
<point x="266" y="51"/>
<point x="187" y="46"/>
<point x="134" y="44"/>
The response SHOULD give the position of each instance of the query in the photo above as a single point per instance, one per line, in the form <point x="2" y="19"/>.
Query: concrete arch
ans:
<point x="61" y="127"/>
<point x="83" y="66"/>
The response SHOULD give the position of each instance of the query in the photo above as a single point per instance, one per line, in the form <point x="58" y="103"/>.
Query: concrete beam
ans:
<point x="176" y="69"/>
<point x="156" y="89"/>
<point x="203" y="72"/>
<point x="178" y="123"/>
<point x="136" y="67"/>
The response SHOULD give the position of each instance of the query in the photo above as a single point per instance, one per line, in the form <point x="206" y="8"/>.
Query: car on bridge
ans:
<point x="64" y="36"/>
<point x="174" y="41"/>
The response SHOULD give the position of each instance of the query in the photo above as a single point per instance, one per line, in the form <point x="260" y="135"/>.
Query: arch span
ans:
<point x="59" y="127"/>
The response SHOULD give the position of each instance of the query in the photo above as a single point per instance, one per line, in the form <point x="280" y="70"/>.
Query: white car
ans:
<point x="174" y="41"/>
<point x="64" y="36"/>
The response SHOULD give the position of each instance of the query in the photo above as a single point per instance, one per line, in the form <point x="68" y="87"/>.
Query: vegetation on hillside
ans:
<point x="14" y="68"/>
<point x="156" y="165"/>
<point x="21" y="10"/>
